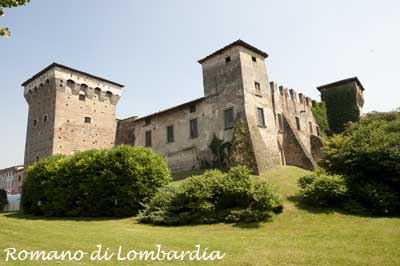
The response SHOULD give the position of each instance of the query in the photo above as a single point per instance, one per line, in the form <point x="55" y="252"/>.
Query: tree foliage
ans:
<point x="9" y="4"/>
<point x="3" y="199"/>
<point x="214" y="197"/>
<point x="368" y="155"/>
<point x="113" y="182"/>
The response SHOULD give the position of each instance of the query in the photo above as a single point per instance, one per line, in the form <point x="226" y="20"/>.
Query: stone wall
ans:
<point x="80" y="115"/>
<point x="233" y="78"/>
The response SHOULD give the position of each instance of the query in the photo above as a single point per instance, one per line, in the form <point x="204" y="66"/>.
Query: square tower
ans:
<point x="235" y="76"/>
<point x="69" y="111"/>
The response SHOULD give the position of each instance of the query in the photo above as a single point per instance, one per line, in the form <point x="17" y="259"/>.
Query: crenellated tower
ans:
<point x="69" y="111"/>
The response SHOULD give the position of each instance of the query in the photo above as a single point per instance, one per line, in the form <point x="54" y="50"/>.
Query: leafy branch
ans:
<point x="9" y="4"/>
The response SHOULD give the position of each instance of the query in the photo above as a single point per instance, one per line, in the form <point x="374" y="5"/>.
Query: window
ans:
<point x="298" y="123"/>
<point x="147" y="122"/>
<point x="229" y="119"/>
<point x="192" y="108"/>
<point x="227" y="59"/>
<point x="45" y="118"/>
<point x="280" y="122"/>
<point x="317" y="128"/>
<point x="194" y="133"/>
<point x="34" y="122"/>
<point x="88" y="120"/>
<point x="260" y="117"/>
<point x="254" y="59"/>
<point x="82" y="97"/>
<point x="311" y="129"/>
<point x="257" y="86"/>
<point x="148" y="138"/>
<point x="170" y="134"/>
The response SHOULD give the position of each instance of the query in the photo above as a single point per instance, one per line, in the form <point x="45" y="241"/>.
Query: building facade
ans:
<point x="70" y="110"/>
<point x="11" y="179"/>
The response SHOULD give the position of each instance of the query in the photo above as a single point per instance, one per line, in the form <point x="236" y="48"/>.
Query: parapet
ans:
<point x="290" y="95"/>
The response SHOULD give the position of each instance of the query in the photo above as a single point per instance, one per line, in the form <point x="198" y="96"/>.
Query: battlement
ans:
<point x="289" y="95"/>
<point x="73" y="82"/>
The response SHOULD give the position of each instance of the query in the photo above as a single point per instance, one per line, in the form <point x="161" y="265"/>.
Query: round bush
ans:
<point x="213" y="197"/>
<point x="323" y="189"/>
<point x="114" y="182"/>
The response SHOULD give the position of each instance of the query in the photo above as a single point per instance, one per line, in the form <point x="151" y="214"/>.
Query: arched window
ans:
<point x="108" y="95"/>
<point x="70" y="86"/>
<point x="97" y="92"/>
<point x="83" y="89"/>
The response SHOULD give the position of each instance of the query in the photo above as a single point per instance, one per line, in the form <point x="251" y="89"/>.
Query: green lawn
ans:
<point x="295" y="237"/>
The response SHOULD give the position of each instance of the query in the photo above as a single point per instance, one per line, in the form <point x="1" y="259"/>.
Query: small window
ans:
<point x="254" y="59"/>
<point x="280" y="122"/>
<point x="82" y="97"/>
<point x="148" y="138"/>
<point x="317" y="129"/>
<point x="227" y="59"/>
<point x="45" y="118"/>
<point x="88" y="120"/>
<point x="229" y="119"/>
<point x="194" y="133"/>
<point x="298" y="123"/>
<point x="170" y="134"/>
<point x="192" y="108"/>
<point x="257" y="86"/>
<point x="147" y="122"/>
<point x="260" y="117"/>
<point x="311" y="129"/>
<point x="34" y="122"/>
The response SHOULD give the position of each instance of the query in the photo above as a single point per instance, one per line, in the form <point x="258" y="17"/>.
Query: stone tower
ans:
<point x="237" y="76"/>
<point x="344" y="101"/>
<point x="69" y="111"/>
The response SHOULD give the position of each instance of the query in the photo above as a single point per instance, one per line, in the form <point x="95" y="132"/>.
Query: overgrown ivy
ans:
<point x="241" y="152"/>
<point x="219" y="149"/>
<point x="319" y="111"/>
<point x="341" y="106"/>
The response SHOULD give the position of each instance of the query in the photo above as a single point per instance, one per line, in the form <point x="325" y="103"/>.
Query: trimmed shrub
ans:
<point x="213" y="197"/>
<point x="323" y="189"/>
<point x="113" y="182"/>
<point x="3" y="199"/>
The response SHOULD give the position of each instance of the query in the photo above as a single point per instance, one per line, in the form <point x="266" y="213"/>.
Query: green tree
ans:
<point x="9" y="4"/>
<point x="3" y="199"/>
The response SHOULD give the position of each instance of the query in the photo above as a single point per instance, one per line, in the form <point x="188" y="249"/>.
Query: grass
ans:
<point x="298" y="236"/>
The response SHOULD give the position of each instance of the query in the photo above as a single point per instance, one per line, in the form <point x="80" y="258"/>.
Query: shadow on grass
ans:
<point x="300" y="203"/>
<point x="19" y="215"/>
<point x="247" y="225"/>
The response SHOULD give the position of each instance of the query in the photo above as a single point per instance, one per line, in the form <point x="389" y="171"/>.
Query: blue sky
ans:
<point x="153" y="46"/>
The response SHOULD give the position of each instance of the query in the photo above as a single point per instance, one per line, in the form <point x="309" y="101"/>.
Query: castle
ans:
<point x="71" y="111"/>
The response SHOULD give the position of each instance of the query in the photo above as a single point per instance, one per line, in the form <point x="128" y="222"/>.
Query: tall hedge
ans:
<point x="341" y="106"/>
<point x="113" y="182"/>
